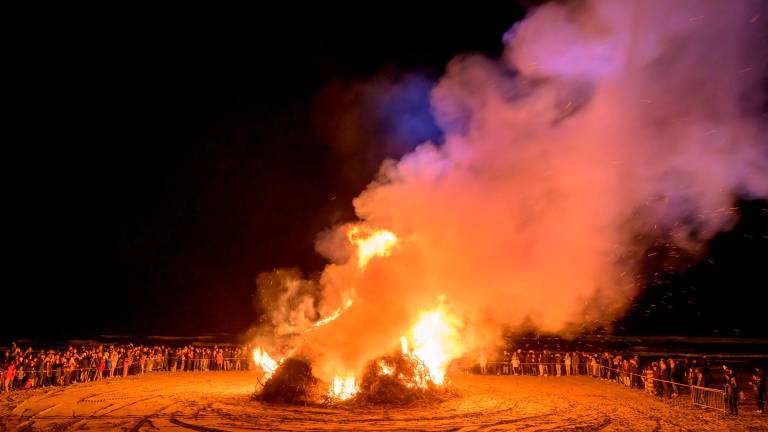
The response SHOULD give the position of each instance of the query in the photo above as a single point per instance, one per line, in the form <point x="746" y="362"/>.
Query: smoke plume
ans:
<point x="601" y="120"/>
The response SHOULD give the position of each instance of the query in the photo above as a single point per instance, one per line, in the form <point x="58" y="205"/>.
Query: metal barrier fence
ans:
<point x="708" y="398"/>
<point x="700" y="396"/>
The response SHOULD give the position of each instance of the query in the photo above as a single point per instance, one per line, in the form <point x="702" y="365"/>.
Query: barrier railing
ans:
<point x="708" y="398"/>
<point x="700" y="396"/>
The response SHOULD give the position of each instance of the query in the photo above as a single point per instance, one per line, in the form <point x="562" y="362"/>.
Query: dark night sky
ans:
<point x="163" y="163"/>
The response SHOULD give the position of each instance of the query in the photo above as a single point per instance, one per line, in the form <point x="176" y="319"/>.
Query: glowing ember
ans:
<point x="343" y="387"/>
<point x="263" y="360"/>
<point x="385" y="368"/>
<point x="370" y="243"/>
<point x="434" y="340"/>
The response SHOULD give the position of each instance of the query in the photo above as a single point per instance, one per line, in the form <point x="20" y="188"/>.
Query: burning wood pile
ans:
<point x="397" y="379"/>
<point x="292" y="383"/>
<point x="414" y="372"/>
<point x="417" y="372"/>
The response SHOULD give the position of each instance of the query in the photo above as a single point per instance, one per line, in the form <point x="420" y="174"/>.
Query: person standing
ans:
<point x="10" y="374"/>
<point x="656" y="375"/>
<point x="220" y="361"/>
<point x="65" y="373"/>
<point x="528" y="365"/>
<point x="701" y="378"/>
<point x="48" y="369"/>
<point x="700" y="384"/>
<point x="674" y="374"/>
<point x="624" y="374"/>
<point x="126" y="363"/>
<point x="102" y="364"/>
<point x="113" y="363"/>
<point x="149" y="361"/>
<point x="732" y="395"/>
<point x="664" y="377"/>
<point x="758" y="384"/>
<point x="516" y="363"/>
<point x="634" y="370"/>
<point x="549" y="361"/>
<point x="576" y="360"/>
<point x="84" y="365"/>
<point x="604" y="366"/>
<point x="238" y="359"/>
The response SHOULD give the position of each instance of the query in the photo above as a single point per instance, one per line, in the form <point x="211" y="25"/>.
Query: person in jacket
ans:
<point x="732" y="395"/>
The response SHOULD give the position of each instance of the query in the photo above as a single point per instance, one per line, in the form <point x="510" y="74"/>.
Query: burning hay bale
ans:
<point x="385" y="389"/>
<point x="399" y="379"/>
<point x="292" y="383"/>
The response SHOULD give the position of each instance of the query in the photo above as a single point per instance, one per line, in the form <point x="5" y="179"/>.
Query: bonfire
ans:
<point x="399" y="378"/>
<point x="415" y="372"/>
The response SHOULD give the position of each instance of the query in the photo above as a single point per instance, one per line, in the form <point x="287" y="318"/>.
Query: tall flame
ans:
<point x="370" y="243"/>
<point x="434" y="340"/>
<point x="263" y="360"/>
<point x="343" y="387"/>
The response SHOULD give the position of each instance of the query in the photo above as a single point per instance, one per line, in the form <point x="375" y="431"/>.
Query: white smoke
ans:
<point x="602" y="119"/>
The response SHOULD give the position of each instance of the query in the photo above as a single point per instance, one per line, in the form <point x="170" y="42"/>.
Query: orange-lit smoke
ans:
<point x="602" y="119"/>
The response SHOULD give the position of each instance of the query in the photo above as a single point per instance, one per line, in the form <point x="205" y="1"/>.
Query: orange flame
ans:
<point x="263" y="360"/>
<point x="370" y="243"/>
<point x="385" y="368"/>
<point x="332" y="316"/>
<point x="343" y="387"/>
<point x="434" y="340"/>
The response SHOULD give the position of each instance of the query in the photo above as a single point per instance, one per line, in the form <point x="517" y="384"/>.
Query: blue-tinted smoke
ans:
<point x="404" y="114"/>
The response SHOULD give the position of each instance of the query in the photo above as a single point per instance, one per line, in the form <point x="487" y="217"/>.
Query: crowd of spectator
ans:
<point x="24" y="369"/>
<point x="664" y="378"/>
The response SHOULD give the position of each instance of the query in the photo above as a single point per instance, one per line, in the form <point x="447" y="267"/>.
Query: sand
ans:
<point x="220" y="401"/>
